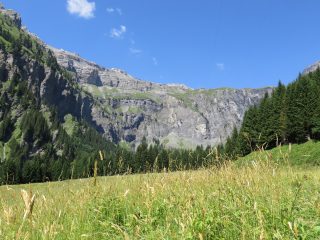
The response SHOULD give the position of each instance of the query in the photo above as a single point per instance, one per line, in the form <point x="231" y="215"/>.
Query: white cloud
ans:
<point x="118" y="33"/>
<point x="135" y="50"/>
<point x="155" y="61"/>
<point x="220" y="66"/>
<point x="113" y="10"/>
<point x="82" y="8"/>
<point x="110" y="10"/>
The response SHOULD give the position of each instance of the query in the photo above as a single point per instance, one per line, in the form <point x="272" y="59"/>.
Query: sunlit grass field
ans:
<point x="259" y="201"/>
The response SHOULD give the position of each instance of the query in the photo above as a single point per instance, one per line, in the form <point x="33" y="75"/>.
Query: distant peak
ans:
<point x="179" y="85"/>
<point x="311" y="68"/>
<point x="118" y="70"/>
<point x="61" y="50"/>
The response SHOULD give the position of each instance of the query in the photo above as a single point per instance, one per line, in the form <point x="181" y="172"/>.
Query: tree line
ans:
<point x="291" y="114"/>
<point x="41" y="153"/>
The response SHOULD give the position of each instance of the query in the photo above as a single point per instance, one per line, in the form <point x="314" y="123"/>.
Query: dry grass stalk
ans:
<point x="29" y="200"/>
<point x="95" y="173"/>
<point x="95" y="169"/>
<point x="9" y="215"/>
<point x="101" y="155"/>
<point x="290" y="147"/>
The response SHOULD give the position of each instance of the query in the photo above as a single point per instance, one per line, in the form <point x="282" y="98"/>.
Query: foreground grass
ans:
<point x="259" y="201"/>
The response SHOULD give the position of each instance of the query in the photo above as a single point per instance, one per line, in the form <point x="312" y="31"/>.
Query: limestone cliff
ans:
<point x="176" y="115"/>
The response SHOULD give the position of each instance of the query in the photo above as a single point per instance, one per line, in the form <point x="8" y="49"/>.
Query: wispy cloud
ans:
<point x="118" y="33"/>
<point x="132" y="41"/>
<point x="81" y="8"/>
<point x="220" y="66"/>
<point x="115" y="10"/>
<point x="119" y="11"/>
<point x="110" y="10"/>
<point x="135" y="50"/>
<point x="155" y="61"/>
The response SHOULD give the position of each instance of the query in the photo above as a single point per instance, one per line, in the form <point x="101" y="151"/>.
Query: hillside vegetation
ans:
<point x="35" y="142"/>
<point x="291" y="114"/>
<point x="302" y="155"/>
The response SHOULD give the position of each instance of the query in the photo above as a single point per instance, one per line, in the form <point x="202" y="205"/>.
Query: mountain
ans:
<point x="176" y="115"/>
<point x="123" y="108"/>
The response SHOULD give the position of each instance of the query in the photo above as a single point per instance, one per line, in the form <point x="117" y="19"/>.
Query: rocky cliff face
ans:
<point x="311" y="68"/>
<point x="50" y="87"/>
<point x="11" y="14"/>
<point x="176" y="115"/>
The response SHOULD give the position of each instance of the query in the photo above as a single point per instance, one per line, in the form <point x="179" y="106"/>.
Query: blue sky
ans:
<point x="201" y="43"/>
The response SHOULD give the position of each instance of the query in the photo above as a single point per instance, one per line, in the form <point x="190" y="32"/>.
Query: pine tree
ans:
<point x="6" y="128"/>
<point x="141" y="155"/>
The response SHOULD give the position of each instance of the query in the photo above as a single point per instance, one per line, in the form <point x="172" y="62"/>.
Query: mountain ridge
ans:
<point x="152" y="101"/>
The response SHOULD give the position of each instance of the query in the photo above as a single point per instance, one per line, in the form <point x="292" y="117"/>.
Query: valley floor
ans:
<point x="260" y="201"/>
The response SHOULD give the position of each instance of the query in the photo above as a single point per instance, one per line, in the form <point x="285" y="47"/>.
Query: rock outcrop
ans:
<point x="311" y="68"/>
<point x="50" y="87"/>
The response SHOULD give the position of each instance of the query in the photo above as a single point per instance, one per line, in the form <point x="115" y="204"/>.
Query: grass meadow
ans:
<point x="261" y="200"/>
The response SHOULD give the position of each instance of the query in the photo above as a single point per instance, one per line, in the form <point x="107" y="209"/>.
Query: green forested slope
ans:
<point x="291" y="114"/>
<point x="34" y="144"/>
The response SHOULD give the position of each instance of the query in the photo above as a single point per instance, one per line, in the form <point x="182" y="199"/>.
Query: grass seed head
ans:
<point x="28" y="199"/>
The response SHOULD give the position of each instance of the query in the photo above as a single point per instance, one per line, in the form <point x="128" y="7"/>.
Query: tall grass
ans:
<point x="258" y="201"/>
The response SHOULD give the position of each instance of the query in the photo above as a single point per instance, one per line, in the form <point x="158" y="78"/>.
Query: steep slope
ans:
<point x="44" y="115"/>
<point x="296" y="154"/>
<point x="176" y="115"/>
